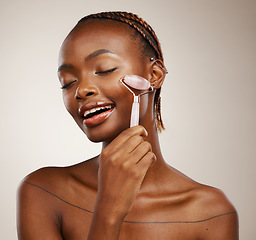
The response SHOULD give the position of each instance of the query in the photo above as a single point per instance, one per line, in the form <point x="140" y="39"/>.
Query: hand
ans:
<point x="122" y="168"/>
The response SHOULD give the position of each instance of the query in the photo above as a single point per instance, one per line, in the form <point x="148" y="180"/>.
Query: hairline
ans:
<point x="135" y="35"/>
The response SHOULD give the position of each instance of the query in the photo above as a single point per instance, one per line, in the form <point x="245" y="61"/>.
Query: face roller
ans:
<point x="138" y="83"/>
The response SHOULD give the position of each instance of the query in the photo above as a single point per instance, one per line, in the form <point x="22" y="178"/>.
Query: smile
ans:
<point x="95" y="113"/>
<point x="98" y="110"/>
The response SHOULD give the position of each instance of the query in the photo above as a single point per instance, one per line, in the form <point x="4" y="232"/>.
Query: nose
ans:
<point x="85" y="90"/>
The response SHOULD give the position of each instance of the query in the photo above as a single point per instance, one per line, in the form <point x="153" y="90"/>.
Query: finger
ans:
<point x="129" y="153"/>
<point x="127" y="134"/>
<point x="131" y="144"/>
<point x="144" y="164"/>
<point x="140" y="151"/>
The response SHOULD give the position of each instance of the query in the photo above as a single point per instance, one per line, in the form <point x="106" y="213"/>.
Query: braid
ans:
<point x="149" y="36"/>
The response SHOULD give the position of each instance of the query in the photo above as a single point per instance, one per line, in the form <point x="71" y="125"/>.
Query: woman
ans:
<point x="128" y="191"/>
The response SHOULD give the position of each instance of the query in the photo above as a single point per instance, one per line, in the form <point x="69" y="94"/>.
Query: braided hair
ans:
<point x="149" y="41"/>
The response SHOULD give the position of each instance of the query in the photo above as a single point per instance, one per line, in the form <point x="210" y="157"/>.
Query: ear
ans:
<point x="158" y="72"/>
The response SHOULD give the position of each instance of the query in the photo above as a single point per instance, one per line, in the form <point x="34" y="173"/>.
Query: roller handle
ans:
<point x="135" y="114"/>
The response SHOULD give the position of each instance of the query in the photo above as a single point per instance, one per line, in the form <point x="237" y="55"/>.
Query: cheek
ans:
<point x="69" y="102"/>
<point x="122" y="99"/>
<point x="118" y="94"/>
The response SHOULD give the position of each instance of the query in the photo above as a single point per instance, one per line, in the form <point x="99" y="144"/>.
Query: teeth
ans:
<point x="93" y="110"/>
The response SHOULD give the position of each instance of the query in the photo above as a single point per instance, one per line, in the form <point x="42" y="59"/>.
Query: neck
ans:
<point x="158" y="169"/>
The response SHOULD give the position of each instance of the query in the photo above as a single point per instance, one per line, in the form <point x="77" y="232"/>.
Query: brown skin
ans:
<point x="129" y="180"/>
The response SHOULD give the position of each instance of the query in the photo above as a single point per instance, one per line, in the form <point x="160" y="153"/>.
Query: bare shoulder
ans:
<point x="45" y="179"/>
<point x="203" y="201"/>
<point x="45" y="174"/>
<point x="49" y="193"/>
<point x="35" y="191"/>
<point x="206" y="213"/>
<point x="212" y="200"/>
<point x="216" y="215"/>
<point x="36" y="207"/>
<point x="50" y="185"/>
<point x="59" y="179"/>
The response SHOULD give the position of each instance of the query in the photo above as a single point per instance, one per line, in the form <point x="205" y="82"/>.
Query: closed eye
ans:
<point x="105" y="72"/>
<point x="67" y="85"/>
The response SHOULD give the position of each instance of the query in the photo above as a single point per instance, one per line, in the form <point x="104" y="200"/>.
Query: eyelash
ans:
<point x="105" y="72"/>
<point x="67" y="85"/>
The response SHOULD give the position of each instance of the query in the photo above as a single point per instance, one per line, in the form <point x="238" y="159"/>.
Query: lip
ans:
<point x="97" y="119"/>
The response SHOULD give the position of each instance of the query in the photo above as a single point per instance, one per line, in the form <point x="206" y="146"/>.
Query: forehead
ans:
<point x="97" y="34"/>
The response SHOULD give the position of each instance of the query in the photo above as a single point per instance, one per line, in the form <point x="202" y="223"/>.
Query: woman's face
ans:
<point x="92" y="60"/>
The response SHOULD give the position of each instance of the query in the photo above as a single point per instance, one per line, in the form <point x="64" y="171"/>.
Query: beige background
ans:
<point x="208" y="98"/>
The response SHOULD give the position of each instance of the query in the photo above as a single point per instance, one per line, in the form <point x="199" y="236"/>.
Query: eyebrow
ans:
<point x="89" y="57"/>
<point x="97" y="53"/>
<point x="64" y="67"/>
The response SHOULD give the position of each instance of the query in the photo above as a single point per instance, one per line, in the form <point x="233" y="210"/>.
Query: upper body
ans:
<point x="127" y="191"/>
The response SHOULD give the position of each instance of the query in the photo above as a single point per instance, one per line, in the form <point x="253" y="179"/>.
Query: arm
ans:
<point x="36" y="218"/>
<point x="224" y="221"/>
<point x="123" y="166"/>
<point x="224" y="227"/>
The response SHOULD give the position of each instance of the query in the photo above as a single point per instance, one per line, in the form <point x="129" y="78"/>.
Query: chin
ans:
<point x="98" y="139"/>
<point x="104" y="132"/>
<point x="107" y="136"/>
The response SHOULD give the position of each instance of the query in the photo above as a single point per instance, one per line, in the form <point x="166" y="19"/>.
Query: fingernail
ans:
<point x="146" y="132"/>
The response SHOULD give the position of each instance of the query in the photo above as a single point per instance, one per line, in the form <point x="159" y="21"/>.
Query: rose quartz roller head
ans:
<point x="138" y="83"/>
